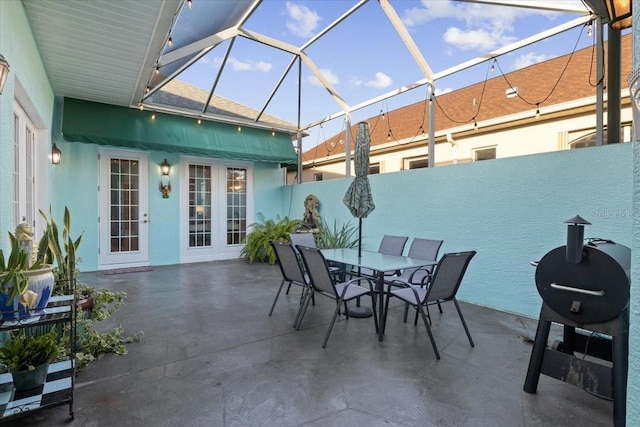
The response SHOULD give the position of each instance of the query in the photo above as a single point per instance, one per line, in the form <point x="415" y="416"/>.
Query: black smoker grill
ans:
<point x="585" y="286"/>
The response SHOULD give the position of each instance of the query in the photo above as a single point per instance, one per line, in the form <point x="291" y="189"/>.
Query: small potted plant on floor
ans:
<point x="27" y="356"/>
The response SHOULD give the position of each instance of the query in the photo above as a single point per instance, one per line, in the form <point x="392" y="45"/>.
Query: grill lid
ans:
<point x="591" y="291"/>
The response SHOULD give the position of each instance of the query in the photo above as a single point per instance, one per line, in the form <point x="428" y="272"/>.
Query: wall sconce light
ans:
<point x="619" y="13"/>
<point x="56" y="155"/>
<point x="4" y="72"/>
<point x="165" y="183"/>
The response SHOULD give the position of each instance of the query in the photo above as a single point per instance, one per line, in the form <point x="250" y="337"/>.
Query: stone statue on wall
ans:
<point x="311" y="218"/>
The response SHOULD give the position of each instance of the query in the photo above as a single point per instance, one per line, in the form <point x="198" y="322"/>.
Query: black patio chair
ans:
<point x="291" y="272"/>
<point x="309" y="240"/>
<point x="390" y="245"/>
<point x="443" y="287"/>
<point x="426" y="249"/>
<point x="323" y="283"/>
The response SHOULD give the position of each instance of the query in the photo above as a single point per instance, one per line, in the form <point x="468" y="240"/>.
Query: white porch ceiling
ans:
<point x="107" y="51"/>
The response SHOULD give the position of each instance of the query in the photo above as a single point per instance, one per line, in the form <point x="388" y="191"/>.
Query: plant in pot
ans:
<point x="93" y="304"/>
<point x="257" y="247"/>
<point x="25" y="287"/>
<point x="27" y="356"/>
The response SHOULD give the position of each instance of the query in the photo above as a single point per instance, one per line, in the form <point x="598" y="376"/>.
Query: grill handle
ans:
<point x="578" y="290"/>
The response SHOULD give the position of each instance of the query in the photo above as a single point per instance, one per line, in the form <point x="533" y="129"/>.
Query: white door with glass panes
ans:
<point x="216" y="207"/>
<point x="124" y="217"/>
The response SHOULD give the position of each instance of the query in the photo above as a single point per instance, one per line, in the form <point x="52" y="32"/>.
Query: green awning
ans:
<point x="104" y="124"/>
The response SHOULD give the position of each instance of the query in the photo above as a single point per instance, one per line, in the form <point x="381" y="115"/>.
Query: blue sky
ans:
<point x="363" y="57"/>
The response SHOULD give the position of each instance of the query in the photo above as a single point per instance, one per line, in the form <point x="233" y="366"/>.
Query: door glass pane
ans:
<point x="199" y="205"/>
<point x="124" y="220"/>
<point x="236" y="205"/>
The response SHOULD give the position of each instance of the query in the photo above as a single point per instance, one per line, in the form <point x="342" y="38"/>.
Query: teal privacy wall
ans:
<point x="27" y="76"/>
<point x="633" y="388"/>
<point x="511" y="211"/>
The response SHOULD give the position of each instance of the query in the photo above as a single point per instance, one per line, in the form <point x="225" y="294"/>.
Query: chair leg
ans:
<point x="333" y="320"/>
<point x="302" y="310"/>
<point x="463" y="322"/>
<point x="375" y="314"/>
<point x="288" y="288"/>
<point x="406" y="312"/>
<point x="277" y="295"/>
<point x="440" y="308"/>
<point x="426" y="324"/>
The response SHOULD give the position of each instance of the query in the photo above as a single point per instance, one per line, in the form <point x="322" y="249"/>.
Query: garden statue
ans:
<point x="24" y="236"/>
<point x="311" y="218"/>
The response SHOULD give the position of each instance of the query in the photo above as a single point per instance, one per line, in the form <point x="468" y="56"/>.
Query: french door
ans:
<point x="124" y="200"/>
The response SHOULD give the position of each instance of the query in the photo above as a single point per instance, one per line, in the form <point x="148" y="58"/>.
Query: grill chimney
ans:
<point x="575" y="238"/>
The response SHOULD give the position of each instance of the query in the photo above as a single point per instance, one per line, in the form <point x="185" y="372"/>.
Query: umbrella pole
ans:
<point x="359" y="238"/>
<point x="359" y="311"/>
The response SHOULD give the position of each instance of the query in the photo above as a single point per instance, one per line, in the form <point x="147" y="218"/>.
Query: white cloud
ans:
<point x="302" y="21"/>
<point x="530" y="59"/>
<point x="443" y="91"/>
<point x="483" y="26"/>
<point x="328" y="74"/>
<point x="381" y="81"/>
<point x="238" y="65"/>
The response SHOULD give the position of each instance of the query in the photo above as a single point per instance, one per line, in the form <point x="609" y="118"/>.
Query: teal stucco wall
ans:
<point x="511" y="211"/>
<point x="27" y="81"/>
<point x="633" y="388"/>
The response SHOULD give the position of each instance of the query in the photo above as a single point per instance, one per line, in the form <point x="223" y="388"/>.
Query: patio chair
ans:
<point x="323" y="283"/>
<point x="309" y="240"/>
<point x="390" y="245"/>
<point x="291" y="272"/>
<point x="443" y="287"/>
<point x="426" y="249"/>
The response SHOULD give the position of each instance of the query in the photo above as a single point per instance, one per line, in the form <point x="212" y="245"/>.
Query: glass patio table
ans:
<point x="380" y="264"/>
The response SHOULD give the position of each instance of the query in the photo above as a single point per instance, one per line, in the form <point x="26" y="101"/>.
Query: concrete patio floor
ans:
<point x="211" y="356"/>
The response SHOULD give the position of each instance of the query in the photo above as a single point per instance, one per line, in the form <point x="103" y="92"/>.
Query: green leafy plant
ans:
<point x="257" y="247"/>
<point x="330" y="237"/>
<point x="13" y="281"/>
<point x="25" y="351"/>
<point x="52" y="249"/>
<point x="90" y="344"/>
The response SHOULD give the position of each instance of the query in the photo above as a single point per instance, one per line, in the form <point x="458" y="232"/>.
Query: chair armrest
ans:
<point x="424" y="280"/>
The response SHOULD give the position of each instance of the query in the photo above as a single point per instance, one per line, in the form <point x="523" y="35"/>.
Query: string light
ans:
<point x="199" y="121"/>
<point x="190" y="4"/>
<point x="147" y="89"/>
<point x="389" y="135"/>
<point x="475" y="124"/>
<point x="493" y="65"/>
<point x="170" y="41"/>
<point x="153" y="116"/>
<point x="273" y="133"/>
<point x="141" y="107"/>
<point x="538" y="110"/>
<point x="239" y="129"/>
<point x="590" y="29"/>
<point x="157" y="70"/>
<point x="421" y="130"/>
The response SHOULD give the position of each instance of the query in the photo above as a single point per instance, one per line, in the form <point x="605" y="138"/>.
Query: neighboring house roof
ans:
<point x="534" y="84"/>
<point x="182" y="95"/>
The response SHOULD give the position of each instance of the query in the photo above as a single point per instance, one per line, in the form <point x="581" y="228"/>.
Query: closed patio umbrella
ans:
<point x="358" y="198"/>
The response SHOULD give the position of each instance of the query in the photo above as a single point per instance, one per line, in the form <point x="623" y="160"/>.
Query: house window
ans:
<point x="374" y="168"/>
<point x="486" y="153"/>
<point x="24" y="174"/>
<point x="582" y="140"/>
<point x="199" y="205"/>
<point x="317" y="176"/>
<point x="415" y="162"/>
<point x="236" y="205"/>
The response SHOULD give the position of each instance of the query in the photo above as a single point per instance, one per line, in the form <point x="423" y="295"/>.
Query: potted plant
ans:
<point x="27" y="356"/>
<point x="257" y="247"/>
<point x="24" y="286"/>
